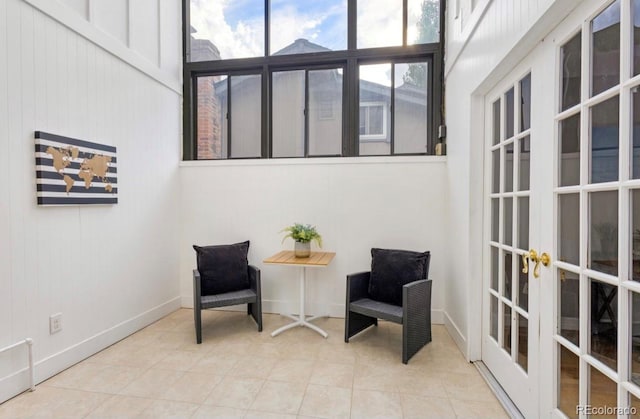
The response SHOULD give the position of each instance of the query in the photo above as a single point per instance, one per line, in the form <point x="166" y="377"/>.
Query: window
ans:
<point x="283" y="79"/>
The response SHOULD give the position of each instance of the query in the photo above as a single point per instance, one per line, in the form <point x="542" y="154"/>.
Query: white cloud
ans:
<point x="379" y="23"/>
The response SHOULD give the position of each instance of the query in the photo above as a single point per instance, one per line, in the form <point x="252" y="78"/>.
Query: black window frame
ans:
<point x="349" y="59"/>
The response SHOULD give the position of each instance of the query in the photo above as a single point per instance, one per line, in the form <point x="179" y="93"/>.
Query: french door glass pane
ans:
<point x="325" y="112"/>
<point x="230" y="29"/>
<point x="246" y="116"/>
<point x="508" y="168"/>
<point x="508" y="221"/>
<point x="495" y="268"/>
<point x="496" y="122"/>
<point x="525" y="103"/>
<point x="603" y="232"/>
<point x="493" y="321"/>
<point x="523" y="171"/>
<point x="523" y="337"/>
<point x="635" y="105"/>
<point x="634" y="404"/>
<point x="325" y="23"/>
<point x="523" y="287"/>
<point x="634" y="339"/>
<point x="635" y="234"/>
<point x="568" y="385"/>
<point x="604" y="141"/>
<point x="508" y="114"/>
<point x="569" y="228"/>
<point x="603" y="392"/>
<point x="212" y="117"/>
<point x="495" y="217"/>
<point x="523" y="223"/>
<point x="508" y="275"/>
<point x="569" y="319"/>
<point x="569" y="162"/>
<point x="604" y="324"/>
<point x="288" y="100"/>
<point x="506" y="335"/>
<point x="635" y="12"/>
<point x="571" y="56"/>
<point x="495" y="176"/>
<point x="605" y="29"/>
<point x="379" y="23"/>
<point x="410" y="108"/>
<point x="423" y="21"/>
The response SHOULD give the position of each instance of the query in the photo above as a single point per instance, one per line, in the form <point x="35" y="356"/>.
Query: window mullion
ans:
<point x="352" y="21"/>
<point x="306" y="113"/>
<point x="229" y="116"/>
<point x="405" y="19"/>
<point x="392" y="117"/>
<point x="267" y="27"/>
<point x="266" y="112"/>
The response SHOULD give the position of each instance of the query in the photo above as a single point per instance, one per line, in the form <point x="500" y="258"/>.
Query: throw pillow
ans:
<point x="392" y="269"/>
<point x="223" y="268"/>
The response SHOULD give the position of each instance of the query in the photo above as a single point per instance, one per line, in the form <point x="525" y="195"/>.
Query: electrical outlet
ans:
<point x="55" y="323"/>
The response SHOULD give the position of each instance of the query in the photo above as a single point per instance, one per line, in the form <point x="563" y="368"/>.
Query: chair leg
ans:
<point x="415" y="335"/>
<point x="255" y="310"/>
<point x="356" y="323"/>
<point x="197" y="316"/>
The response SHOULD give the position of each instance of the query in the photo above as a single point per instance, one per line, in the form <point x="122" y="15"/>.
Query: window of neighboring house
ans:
<point x="267" y="78"/>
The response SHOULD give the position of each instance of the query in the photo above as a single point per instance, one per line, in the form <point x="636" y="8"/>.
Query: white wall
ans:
<point x="494" y="37"/>
<point x="109" y="270"/>
<point x="356" y="204"/>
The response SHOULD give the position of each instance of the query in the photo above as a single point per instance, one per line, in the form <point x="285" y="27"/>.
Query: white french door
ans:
<point x="564" y="339"/>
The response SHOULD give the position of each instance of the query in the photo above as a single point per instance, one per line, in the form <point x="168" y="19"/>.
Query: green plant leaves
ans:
<point x="303" y="233"/>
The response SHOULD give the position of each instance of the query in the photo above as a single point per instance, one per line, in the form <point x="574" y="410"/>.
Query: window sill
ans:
<point x="317" y="161"/>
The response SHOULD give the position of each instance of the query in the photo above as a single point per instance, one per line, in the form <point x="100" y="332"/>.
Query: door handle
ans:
<point x="532" y="255"/>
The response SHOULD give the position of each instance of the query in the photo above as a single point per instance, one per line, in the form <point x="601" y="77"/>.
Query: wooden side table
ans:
<point x="315" y="260"/>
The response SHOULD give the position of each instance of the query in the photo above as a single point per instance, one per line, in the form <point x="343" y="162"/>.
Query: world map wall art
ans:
<point x="75" y="172"/>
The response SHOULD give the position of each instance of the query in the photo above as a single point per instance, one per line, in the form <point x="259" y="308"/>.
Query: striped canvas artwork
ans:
<point x="75" y="172"/>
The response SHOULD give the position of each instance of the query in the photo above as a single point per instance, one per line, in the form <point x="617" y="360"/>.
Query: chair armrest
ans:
<point x="254" y="279"/>
<point x="196" y="289"/>
<point x="358" y="286"/>
<point x="417" y="293"/>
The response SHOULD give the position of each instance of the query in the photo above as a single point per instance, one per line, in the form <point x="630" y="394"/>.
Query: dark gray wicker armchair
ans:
<point x="414" y="315"/>
<point x="251" y="296"/>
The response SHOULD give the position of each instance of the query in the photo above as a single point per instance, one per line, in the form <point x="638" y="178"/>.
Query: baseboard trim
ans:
<point x="456" y="334"/>
<point x="499" y="392"/>
<point x="18" y="382"/>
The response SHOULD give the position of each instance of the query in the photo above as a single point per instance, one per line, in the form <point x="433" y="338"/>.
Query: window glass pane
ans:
<point x="604" y="323"/>
<point x="496" y="122"/>
<point x="604" y="141"/>
<point x="506" y="329"/>
<point x="603" y="393"/>
<point x="635" y="152"/>
<point x="635" y="234"/>
<point x="525" y="152"/>
<point x="312" y="26"/>
<point x="494" y="318"/>
<point x="246" y="116"/>
<point x="569" y="228"/>
<point x="495" y="225"/>
<point x="603" y="232"/>
<point x="605" y="60"/>
<point x="495" y="179"/>
<point x="570" y="60"/>
<point x="635" y="10"/>
<point x="508" y="168"/>
<point x="226" y="29"/>
<point x="288" y="113"/>
<point x="523" y="342"/>
<point x="634" y="339"/>
<point x="568" y="382"/>
<point x="569" y="161"/>
<point x="523" y="223"/>
<point x="509" y="112"/>
<point x="525" y="103"/>
<point x="375" y="97"/>
<point x="508" y="275"/>
<point x="423" y="24"/>
<point x="494" y="268"/>
<point x="634" y="405"/>
<point x="508" y="221"/>
<point x="523" y="286"/>
<point x="569" y="320"/>
<point x="410" y="110"/>
<point x="325" y="112"/>
<point x="211" y="133"/>
<point x="379" y="23"/>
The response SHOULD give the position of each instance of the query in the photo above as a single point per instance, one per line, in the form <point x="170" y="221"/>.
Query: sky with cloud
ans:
<point x="236" y="27"/>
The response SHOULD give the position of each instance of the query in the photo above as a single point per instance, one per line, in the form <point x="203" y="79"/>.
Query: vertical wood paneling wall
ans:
<point x="481" y="50"/>
<point x="109" y="270"/>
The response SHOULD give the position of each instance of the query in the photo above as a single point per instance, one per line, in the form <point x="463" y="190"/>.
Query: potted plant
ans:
<point x="302" y="234"/>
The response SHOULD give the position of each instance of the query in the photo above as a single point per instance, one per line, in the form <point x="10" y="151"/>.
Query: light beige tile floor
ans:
<point x="239" y="373"/>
